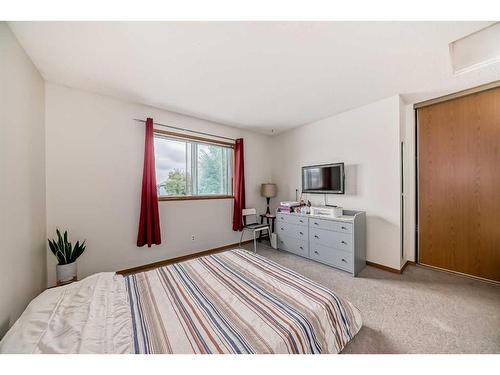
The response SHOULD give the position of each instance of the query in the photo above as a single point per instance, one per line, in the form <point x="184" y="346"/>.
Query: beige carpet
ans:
<point x="420" y="311"/>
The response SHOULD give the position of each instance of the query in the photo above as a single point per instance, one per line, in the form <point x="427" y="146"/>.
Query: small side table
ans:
<point x="59" y="283"/>
<point x="62" y="283"/>
<point x="270" y="219"/>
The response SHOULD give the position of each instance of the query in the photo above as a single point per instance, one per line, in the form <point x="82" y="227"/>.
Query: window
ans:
<point x="476" y="50"/>
<point x="192" y="169"/>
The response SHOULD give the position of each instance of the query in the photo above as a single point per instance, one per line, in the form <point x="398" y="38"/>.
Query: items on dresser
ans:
<point x="288" y="206"/>
<point x="339" y="242"/>
<point x="329" y="211"/>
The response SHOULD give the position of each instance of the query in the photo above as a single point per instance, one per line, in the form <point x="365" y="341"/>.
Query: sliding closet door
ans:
<point x="459" y="184"/>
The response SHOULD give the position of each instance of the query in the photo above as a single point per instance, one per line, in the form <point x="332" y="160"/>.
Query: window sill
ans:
<point x="194" y="198"/>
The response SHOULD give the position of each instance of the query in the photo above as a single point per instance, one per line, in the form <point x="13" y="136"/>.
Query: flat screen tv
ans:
<point x="323" y="179"/>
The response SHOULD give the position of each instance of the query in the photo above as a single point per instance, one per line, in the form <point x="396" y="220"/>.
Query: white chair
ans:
<point x="254" y="226"/>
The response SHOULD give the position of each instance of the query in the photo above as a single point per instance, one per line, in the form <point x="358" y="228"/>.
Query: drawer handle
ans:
<point x="345" y="243"/>
<point x="301" y="233"/>
<point x="344" y="228"/>
<point x="315" y="252"/>
<point x="315" y="223"/>
<point x="282" y="228"/>
<point x="343" y="260"/>
<point x="316" y="236"/>
<point x="301" y="248"/>
<point x="301" y="221"/>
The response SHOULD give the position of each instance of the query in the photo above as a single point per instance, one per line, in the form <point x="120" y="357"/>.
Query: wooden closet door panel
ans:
<point x="488" y="184"/>
<point x="459" y="185"/>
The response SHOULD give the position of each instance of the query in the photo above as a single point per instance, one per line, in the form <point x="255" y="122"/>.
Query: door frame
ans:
<point x="417" y="173"/>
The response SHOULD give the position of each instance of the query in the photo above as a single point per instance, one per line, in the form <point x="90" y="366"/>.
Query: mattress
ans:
<point x="231" y="302"/>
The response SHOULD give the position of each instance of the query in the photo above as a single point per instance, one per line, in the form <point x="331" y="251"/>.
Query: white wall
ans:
<point x="22" y="176"/>
<point x="95" y="157"/>
<point x="367" y="139"/>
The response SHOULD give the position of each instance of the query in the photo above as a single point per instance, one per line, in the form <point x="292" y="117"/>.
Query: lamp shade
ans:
<point x="268" y="190"/>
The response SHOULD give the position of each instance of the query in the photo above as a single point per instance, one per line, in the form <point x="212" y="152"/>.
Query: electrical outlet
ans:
<point x="192" y="237"/>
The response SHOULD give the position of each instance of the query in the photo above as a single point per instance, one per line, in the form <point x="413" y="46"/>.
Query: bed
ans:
<point x="230" y="302"/>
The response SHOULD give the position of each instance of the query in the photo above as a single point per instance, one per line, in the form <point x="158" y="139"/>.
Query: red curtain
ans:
<point x="149" y="221"/>
<point x="239" y="185"/>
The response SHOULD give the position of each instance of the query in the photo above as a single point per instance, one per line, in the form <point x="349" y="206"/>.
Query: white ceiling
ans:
<point x="257" y="75"/>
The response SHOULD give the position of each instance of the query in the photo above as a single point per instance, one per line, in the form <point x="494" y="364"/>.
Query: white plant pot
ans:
<point x="66" y="272"/>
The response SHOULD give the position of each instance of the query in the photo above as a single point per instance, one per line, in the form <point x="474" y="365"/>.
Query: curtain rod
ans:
<point x="186" y="130"/>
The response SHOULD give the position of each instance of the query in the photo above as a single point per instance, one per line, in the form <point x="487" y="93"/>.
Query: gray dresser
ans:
<point x="339" y="242"/>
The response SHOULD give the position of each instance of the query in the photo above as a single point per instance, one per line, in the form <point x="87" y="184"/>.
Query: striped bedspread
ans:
<point x="236" y="302"/>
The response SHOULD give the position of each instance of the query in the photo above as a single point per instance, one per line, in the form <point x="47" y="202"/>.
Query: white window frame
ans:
<point x="192" y="188"/>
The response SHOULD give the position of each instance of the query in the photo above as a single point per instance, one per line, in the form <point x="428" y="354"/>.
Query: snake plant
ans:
<point x="63" y="250"/>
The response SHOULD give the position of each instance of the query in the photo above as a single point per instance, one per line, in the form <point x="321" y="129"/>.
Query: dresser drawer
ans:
<point x="297" y="231"/>
<point x="337" y="226"/>
<point x="340" y="241"/>
<point x="293" y="245"/>
<point x="292" y="219"/>
<point x="333" y="257"/>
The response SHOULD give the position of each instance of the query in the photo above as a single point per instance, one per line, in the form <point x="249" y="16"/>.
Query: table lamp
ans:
<point x="268" y="191"/>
